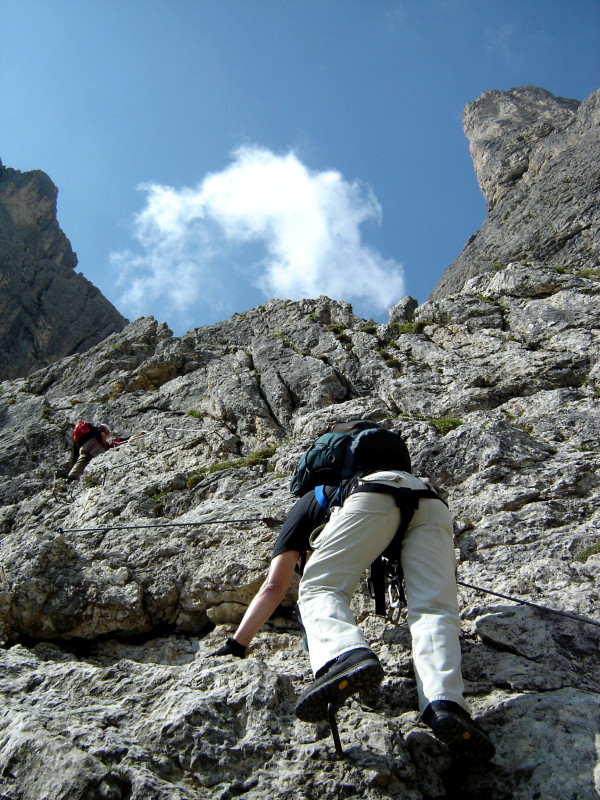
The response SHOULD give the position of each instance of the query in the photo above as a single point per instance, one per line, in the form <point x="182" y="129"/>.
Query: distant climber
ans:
<point x="90" y="441"/>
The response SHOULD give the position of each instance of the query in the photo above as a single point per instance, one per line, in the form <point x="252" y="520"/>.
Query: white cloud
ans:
<point x="193" y="242"/>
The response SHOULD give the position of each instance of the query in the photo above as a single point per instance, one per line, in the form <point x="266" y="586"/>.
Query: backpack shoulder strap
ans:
<point x="323" y="500"/>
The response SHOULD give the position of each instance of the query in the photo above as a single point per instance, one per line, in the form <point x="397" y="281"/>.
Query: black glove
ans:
<point x="231" y="648"/>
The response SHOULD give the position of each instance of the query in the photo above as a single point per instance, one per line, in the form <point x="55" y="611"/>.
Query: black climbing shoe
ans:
<point x="231" y="648"/>
<point x="452" y="725"/>
<point x="349" y="673"/>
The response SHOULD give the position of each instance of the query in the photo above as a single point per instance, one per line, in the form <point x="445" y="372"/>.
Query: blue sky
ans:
<point x="211" y="154"/>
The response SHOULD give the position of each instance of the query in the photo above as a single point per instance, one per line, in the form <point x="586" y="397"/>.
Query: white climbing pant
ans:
<point x="354" y="536"/>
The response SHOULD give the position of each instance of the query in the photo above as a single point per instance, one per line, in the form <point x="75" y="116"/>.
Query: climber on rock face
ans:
<point x="364" y="517"/>
<point x="359" y="530"/>
<point x="90" y="441"/>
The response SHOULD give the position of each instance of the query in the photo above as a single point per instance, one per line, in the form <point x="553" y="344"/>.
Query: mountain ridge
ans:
<point x="47" y="310"/>
<point x="535" y="156"/>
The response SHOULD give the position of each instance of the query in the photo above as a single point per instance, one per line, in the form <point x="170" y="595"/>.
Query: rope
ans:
<point x="148" y="455"/>
<point x="136" y="460"/>
<point x="567" y="614"/>
<point x="190" y="431"/>
<point x="131" y="439"/>
<point x="267" y="521"/>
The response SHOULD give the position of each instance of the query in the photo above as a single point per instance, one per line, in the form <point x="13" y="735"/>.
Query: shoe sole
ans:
<point x="463" y="739"/>
<point x="313" y="706"/>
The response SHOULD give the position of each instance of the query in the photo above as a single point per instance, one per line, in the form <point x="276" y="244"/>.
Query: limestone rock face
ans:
<point x="47" y="311"/>
<point x="536" y="159"/>
<point x="115" y="591"/>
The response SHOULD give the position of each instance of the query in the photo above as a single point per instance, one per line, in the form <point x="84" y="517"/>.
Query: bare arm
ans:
<point x="268" y="597"/>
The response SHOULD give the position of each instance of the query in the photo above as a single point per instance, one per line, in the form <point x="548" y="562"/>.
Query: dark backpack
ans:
<point x="349" y="449"/>
<point x="378" y="449"/>
<point x="84" y="431"/>
<point x="327" y="461"/>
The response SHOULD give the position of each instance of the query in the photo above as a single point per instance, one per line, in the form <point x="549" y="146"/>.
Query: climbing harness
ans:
<point x="567" y="614"/>
<point x="387" y="564"/>
<point x="385" y="576"/>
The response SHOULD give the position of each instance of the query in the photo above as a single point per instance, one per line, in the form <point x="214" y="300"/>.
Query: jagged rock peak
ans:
<point x="47" y="310"/>
<point x="504" y="128"/>
<point x="536" y="159"/>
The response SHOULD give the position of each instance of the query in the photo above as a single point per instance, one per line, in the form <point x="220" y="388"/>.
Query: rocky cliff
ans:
<point x="536" y="159"/>
<point x="114" y="593"/>
<point x="47" y="311"/>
